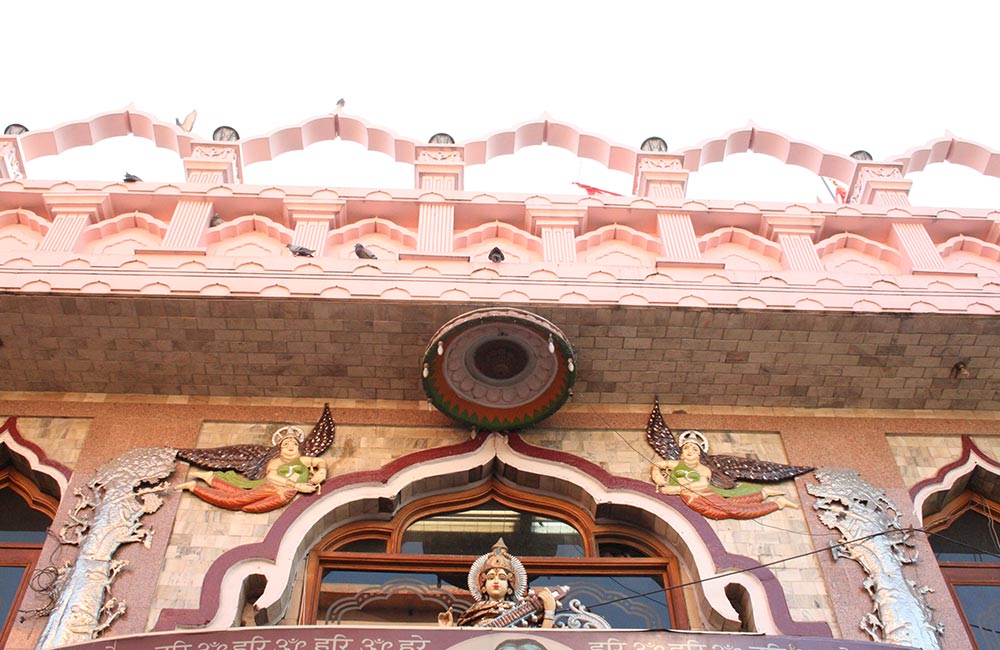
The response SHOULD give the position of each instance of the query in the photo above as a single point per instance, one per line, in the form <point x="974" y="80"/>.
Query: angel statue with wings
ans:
<point x="261" y="478"/>
<point x="707" y="483"/>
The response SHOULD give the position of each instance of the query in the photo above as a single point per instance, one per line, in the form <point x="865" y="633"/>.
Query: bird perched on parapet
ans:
<point x="591" y="190"/>
<point x="300" y="251"/>
<point x="132" y="178"/>
<point x="216" y="220"/>
<point x="496" y="255"/>
<point x="188" y="122"/>
<point x="363" y="253"/>
<point x="339" y="107"/>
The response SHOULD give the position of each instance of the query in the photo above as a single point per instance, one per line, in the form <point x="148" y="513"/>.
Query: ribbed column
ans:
<point x="11" y="159"/>
<point x="917" y="247"/>
<point x="436" y="228"/>
<point x="798" y="252"/>
<point x="71" y="214"/>
<point x="313" y="219"/>
<point x="677" y="235"/>
<point x="559" y="243"/>
<point x="660" y="176"/>
<point x="881" y="184"/>
<point x="558" y="227"/>
<point x="65" y="232"/>
<point x="439" y="168"/>
<point x="437" y="183"/>
<point x="214" y="163"/>
<point x="796" y="234"/>
<point x="187" y="225"/>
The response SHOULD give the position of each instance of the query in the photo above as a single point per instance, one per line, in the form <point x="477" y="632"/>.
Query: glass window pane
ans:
<point x="645" y="608"/>
<point x="389" y="597"/>
<point x="970" y="532"/>
<point x="364" y="546"/>
<point x="474" y="531"/>
<point x="10" y="581"/>
<point x="981" y="604"/>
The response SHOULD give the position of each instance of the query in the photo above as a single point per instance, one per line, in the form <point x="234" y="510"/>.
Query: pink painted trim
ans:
<point x="10" y="427"/>
<point x="127" y="121"/>
<point x="170" y="619"/>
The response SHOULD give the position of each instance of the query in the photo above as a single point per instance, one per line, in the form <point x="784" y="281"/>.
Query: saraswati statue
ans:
<point x="499" y="584"/>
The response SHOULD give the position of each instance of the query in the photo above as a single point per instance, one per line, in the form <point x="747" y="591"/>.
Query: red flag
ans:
<point x="591" y="190"/>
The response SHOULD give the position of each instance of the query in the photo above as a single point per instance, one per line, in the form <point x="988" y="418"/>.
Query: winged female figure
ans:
<point x="708" y="483"/>
<point x="260" y="478"/>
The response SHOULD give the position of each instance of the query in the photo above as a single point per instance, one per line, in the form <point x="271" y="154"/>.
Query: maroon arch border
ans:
<point x="267" y="549"/>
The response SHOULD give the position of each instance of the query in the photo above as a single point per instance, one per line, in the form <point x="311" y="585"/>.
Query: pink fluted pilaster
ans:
<point x="313" y="221"/>
<point x="214" y="163"/>
<point x="558" y="228"/>
<point x="188" y="225"/>
<point x="660" y="176"/>
<point x="677" y="235"/>
<point x="440" y="168"/>
<point x="71" y="214"/>
<point x="436" y="228"/>
<point x="917" y="247"/>
<point x="796" y="234"/>
<point x="880" y="184"/>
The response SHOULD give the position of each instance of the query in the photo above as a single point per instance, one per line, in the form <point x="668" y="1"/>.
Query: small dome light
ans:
<point x="225" y="134"/>
<point x="15" y="129"/>
<point x="654" y="145"/>
<point x="861" y="154"/>
<point x="441" y="138"/>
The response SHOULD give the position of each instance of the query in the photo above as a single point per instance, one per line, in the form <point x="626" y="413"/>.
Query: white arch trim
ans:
<point x="293" y="546"/>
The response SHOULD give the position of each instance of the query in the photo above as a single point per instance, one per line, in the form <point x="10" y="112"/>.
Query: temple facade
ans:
<point x="273" y="418"/>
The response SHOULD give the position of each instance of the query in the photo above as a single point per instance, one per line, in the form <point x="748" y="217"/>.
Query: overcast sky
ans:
<point x="883" y="76"/>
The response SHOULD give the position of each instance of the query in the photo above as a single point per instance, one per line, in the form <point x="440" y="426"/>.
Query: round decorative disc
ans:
<point x="499" y="369"/>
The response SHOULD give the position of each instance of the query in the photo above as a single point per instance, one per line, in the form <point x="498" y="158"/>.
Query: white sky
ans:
<point x="883" y="76"/>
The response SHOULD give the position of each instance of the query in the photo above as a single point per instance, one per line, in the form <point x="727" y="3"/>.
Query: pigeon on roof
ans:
<point x="132" y="178"/>
<point x="496" y="255"/>
<point x="300" y="251"/>
<point x="363" y="253"/>
<point x="339" y="107"/>
<point x="216" y="220"/>
<point x="188" y="122"/>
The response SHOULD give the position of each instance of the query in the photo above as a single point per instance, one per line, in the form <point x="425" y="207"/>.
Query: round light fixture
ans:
<point x="498" y="369"/>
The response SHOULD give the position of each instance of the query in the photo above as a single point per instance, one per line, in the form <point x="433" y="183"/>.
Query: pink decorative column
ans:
<point x="11" y="160"/>
<point x="796" y="234"/>
<point x="186" y="231"/>
<point x="438" y="168"/>
<point x="660" y="176"/>
<point x="313" y="220"/>
<point x="558" y="227"/>
<point x="214" y="163"/>
<point x="879" y="184"/>
<point x="71" y="214"/>
<point x="917" y="248"/>
<point x="209" y="164"/>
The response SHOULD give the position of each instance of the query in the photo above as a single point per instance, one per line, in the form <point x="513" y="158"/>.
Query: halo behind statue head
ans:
<point x="287" y="432"/>
<point x="693" y="436"/>
<point x="498" y="557"/>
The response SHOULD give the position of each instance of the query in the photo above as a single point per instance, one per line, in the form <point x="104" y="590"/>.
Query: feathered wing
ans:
<point x="659" y="436"/>
<point x="251" y="460"/>
<point x="248" y="460"/>
<point x="321" y="437"/>
<point x="726" y="470"/>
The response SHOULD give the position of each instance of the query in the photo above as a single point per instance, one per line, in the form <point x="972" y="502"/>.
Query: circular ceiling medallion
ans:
<point x="499" y="369"/>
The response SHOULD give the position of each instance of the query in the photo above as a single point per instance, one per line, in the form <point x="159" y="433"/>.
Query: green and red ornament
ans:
<point x="499" y="369"/>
